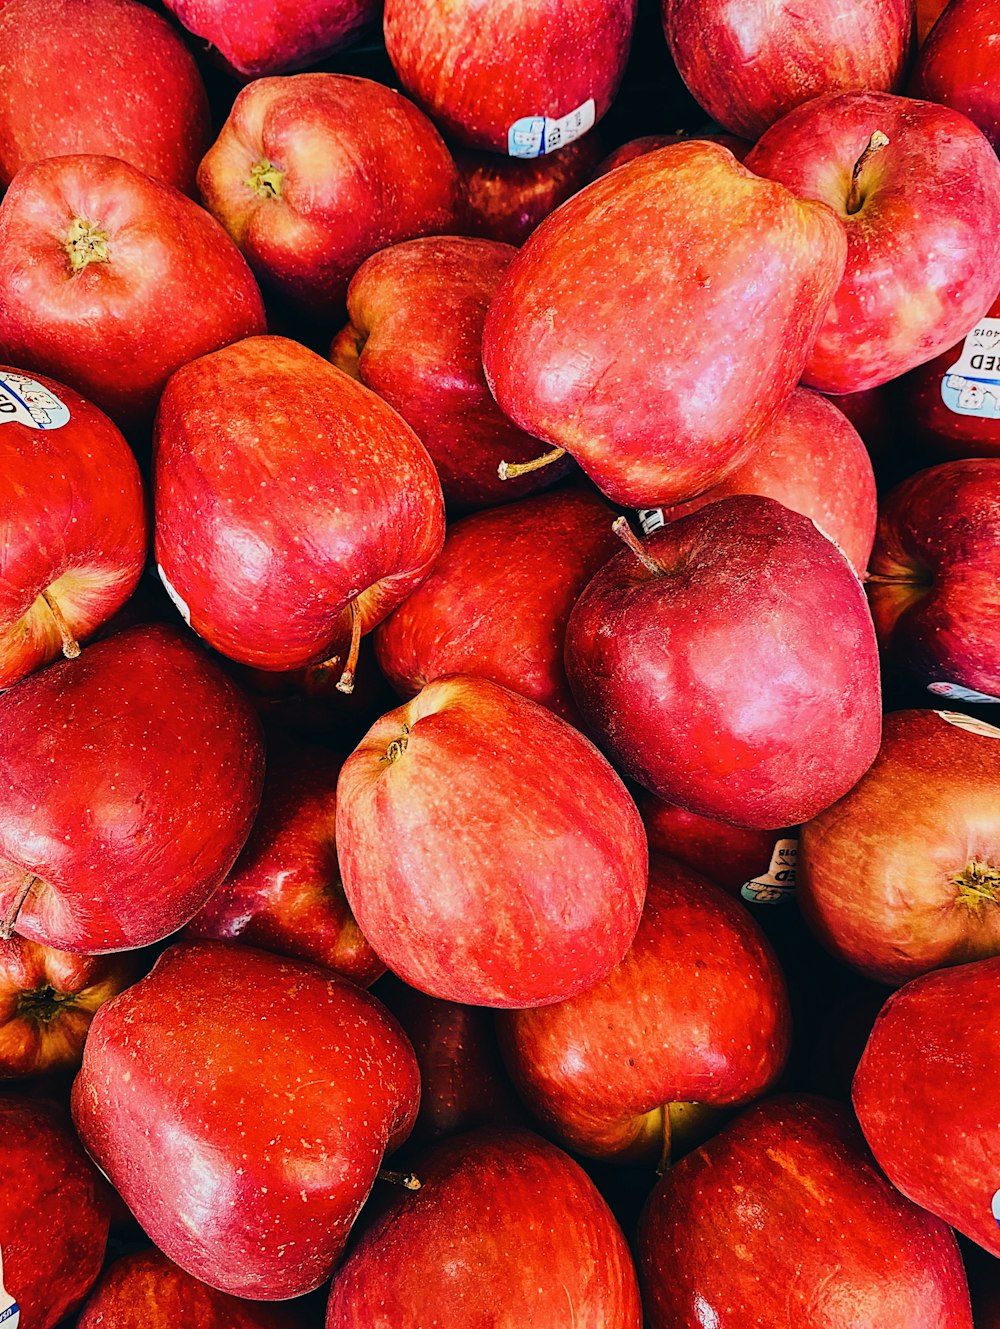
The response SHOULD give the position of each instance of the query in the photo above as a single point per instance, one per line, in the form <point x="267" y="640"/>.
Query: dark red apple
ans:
<point x="928" y="13"/>
<point x="489" y="852"/>
<point x="959" y="64"/>
<point x="638" y="147"/>
<point x="128" y="783"/>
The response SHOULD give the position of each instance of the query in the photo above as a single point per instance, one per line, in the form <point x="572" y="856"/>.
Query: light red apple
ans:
<point x="959" y="64"/>
<point x="638" y="147"/>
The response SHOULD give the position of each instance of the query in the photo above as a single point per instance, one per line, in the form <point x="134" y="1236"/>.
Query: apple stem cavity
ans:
<point x="875" y="144"/>
<point x="16" y="905"/>
<point x="628" y="537"/>
<point x="663" y="1163"/>
<point x="345" y="683"/>
<point x="978" y="883"/>
<point x="265" y="179"/>
<point x="70" y="645"/>
<point x="408" y="1180"/>
<point x="510" y="470"/>
<point x="86" y="243"/>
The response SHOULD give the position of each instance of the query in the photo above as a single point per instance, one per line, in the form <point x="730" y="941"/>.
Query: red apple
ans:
<point x="284" y="892"/>
<point x="505" y="1231"/>
<point x="917" y="187"/>
<point x="638" y="147"/>
<point x="783" y="1220"/>
<point x="289" y="500"/>
<point x="489" y="852"/>
<point x="429" y="368"/>
<point x="129" y="781"/>
<point x="730" y="664"/>
<point x="959" y="64"/>
<point x="874" y="413"/>
<point x="608" y="346"/>
<point x="749" y="62"/>
<point x="928" y="13"/>
<point x="925" y="1096"/>
<point x="241" y="1104"/>
<point x="514" y="78"/>
<point x="74" y="521"/>
<point x="497" y="600"/>
<point x="313" y="173"/>
<point x="109" y="281"/>
<point x="902" y="874"/>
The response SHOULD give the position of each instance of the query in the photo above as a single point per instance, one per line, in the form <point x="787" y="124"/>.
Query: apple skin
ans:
<point x="727" y="855"/>
<point x="782" y="1219"/>
<point x="284" y="892"/>
<point x="99" y="76"/>
<point x="959" y="65"/>
<point x="285" y="491"/>
<point x="478" y="69"/>
<point x="192" y="1077"/>
<point x="430" y="369"/>
<point x="506" y="1231"/>
<point x="739" y="681"/>
<point x="749" y="62"/>
<point x="932" y="196"/>
<point x="497" y="601"/>
<point x="638" y="147"/>
<point x="937" y="612"/>
<point x="603" y="343"/>
<point x="928" y="13"/>
<point x="902" y="874"/>
<point x="697" y="1012"/>
<point x="313" y="173"/>
<point x="130" y="779"/>
<point x="117" y="328"/>
<point x="490" y="854"/>
<point x="54" y="1212"/>
<point x="74" y="519"/>
<point x="924" y="1095"/>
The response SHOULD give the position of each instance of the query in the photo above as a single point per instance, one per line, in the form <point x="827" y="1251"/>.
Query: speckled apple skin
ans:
<point x="959" y="64"/>
<point x="506" y="1231"/>
<point x="492" y="856"/>
<point x="726" y="854"/>
<point x="241" y="1104"/>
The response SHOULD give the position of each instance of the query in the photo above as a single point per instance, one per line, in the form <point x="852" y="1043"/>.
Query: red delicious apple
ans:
<point x="429" y="368"/>
<point x="925" y="1096"/>
<point x="609" y="347"/>
<point x="730" y="664"/>
<point x="959" y="65"/>
<point x="109" y="281"/>
<point x="290" y="502"/>
<point x="934" y="578"/>
<point x="917" y="187"/>
<point x="514" y="78"/>
<point x="54" y="1214"/>
<point x="128" y="782"/>
<point x="638" y="147"/>
<point x="100" y="76"/>
<point x="783" y="1220"/>
<point x="749" y="62"/>
<point x="241" y="1104"/>
<point x="74" y="522"/>
<point x="489" y="852"/>
<point x="313" y="173"/>
<point x="284" y="892"/>
<point x="902" y="874"/>
<point x="696" y="1012"/>
<point x="505" y="1231"/>
<point x="497" y="600"/>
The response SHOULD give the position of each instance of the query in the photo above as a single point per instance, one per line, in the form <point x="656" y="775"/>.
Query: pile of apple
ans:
<point x="515" y="564"/>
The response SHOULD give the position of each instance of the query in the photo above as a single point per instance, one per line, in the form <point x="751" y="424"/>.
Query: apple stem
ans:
<point x="888" y="581"/>
<point x="510" y="470"/>
<point x="70" y="645"/>
<point x="875" y="144"/>
<point x="408" y="1180"/>
<point x="345" y="683"/>
<point x="663" y="1163"/>
<point x="625" y="533"/>
<point x="17" y="904"/>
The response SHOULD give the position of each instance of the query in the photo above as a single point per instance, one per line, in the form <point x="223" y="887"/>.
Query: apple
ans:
<point x="729" y="664"/>
<point x="129" y="780"/>
<point x="241" y="1104"/>
<point x="54" y="1214"/>
<point x="108" y="77"/>
<point x="782" y="1219"/>
<point x="506" y="1231"/>
<point x="875" y="413"/>
<point x="917" y="188"/>
<point x="497" y="600"/>
<point x="928" y="13"/>
<point x="73" y="513"/>
<point x="430" y="368"/>
<point x="608" y="347"/>
<point x="902" y="875"/>
<point x="109" y="281"/>
<point x="959" y="65"/>
<point x="924" y="1096"/>
<point x="749" y="62"/>
<point x="490" y="854"/>
<point x="638" y="147"/>
<point x="284" y="892"/>
<point x="311" y="174"/>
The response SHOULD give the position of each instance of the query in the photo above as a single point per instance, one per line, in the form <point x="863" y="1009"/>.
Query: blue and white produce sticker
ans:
<point x="955" y="692"/>
<point x="25" y="402"/>
<point x="778" y="883"/>
<point x="995" y="1206"/>
<point x="535" y="135"/>
<point x="10" y="1312"/>
<point x="972" y="384"/>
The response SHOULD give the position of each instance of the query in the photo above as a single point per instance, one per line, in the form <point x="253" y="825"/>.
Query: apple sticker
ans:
<point x="996" y="1205"/>
<point x="179" y="604"/>
<point x="969" y="723"/>
<point x="777" y="884"/>
<point x="10" y="1313"/>
<point x="972" y="384"/>
<point x="955" y="692"/>
<point x="23" y="401"/>
<point x="535" y="135"/>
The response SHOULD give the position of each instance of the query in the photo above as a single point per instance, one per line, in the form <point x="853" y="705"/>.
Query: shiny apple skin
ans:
<point x="959" y="64"/>
<point x="505" y="1231"/>
<point x="603" y="336"/>
<point x="490" y="854"/>
<point x="285" y="490"/>
<point x="497" y="600"/>
<point x="924" y="245"/>
<point x="783" y="1220"/>
<point x="245" y="1145"/>
<point x="727" y="855"/>
<point x="638" y="147"/>
<point x="130" y="778"/>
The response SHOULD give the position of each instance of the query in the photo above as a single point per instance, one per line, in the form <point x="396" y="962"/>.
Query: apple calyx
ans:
<point x="86" y="243"/>
<point x="408" y="1180"/>
<point x="265" y="179"/>
<point x="17" y="904"/>
<point x="628" y="537"/>
<point x="43" y="1004"/>
<point x="978" y="884"/>
<point x="70" y="645"/>
<point x="875" y="144"/>
<point x="397" y="747"/>
<point x="510" y="470"/>
<point x="345" y="683"/>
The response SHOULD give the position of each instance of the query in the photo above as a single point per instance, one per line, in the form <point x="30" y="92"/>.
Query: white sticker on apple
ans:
<point x="23" y="401"/>
<point x="535" y="135"/>
<point x="651" y="519"/>
<point x="972" y="384"/>
<point x="778" y="883"/>
<point x="970" y="724"/>
<point x="10" y="1312"/>
<point x="179" y="604"/>
<point x="955" y="692"/>
<point x="996" y="1205"/>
